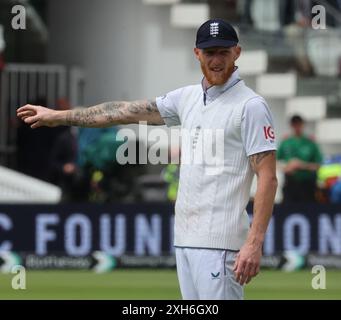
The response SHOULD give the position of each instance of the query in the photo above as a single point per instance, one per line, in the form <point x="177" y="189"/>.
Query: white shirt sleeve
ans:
<point x="168" y="107"/>
<point x="257" y="127"/>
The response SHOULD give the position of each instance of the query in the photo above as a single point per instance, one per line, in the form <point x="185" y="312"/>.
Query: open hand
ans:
<point x="37" y="116"/>
<point x="247" y="263"/>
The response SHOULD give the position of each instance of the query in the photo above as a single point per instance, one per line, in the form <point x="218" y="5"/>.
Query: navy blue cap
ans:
<point x="216" y="33"/>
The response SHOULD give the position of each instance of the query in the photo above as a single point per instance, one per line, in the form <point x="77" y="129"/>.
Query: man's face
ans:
<point x="217" y="64"/>
<point x="297" y="128"/>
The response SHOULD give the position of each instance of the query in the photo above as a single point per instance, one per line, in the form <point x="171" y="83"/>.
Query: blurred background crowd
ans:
<point x="76" y="53"/>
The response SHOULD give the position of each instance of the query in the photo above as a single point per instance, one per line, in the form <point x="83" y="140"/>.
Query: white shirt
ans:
<point x="210" y="208"/>
<point x="255" y="117"/>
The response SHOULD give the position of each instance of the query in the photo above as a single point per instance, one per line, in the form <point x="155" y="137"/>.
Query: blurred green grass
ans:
<point x="158" y="284"/>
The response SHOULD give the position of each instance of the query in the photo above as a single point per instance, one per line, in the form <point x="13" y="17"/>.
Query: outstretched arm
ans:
<point x="99" y="116"/>
<point x="248" y="260"/>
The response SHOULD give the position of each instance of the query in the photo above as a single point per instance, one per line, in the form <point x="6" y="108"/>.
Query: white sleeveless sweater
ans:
<point x="210" y="208"/>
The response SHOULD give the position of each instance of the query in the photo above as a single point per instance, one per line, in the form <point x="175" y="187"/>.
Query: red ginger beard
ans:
<point x="216" y="78"/>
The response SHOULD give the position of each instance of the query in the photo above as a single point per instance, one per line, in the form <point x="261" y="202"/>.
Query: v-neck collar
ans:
<point x="213" y="92"/>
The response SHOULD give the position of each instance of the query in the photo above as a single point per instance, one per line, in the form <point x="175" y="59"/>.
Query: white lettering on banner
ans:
<point x="75" y="234"/>
<point x="148" y="235"/>
<point x="301" y="223"/>
<point x="329" y="234"/>
<point x="5" y="224"/>
<point x="83" y="223"/>
<point x="106" y="238"/>
<point x="43" y="235"/>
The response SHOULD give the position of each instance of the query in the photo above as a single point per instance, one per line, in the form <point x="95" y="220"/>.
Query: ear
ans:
<point x="238" y="50"/>
<point x="196" y="52"/>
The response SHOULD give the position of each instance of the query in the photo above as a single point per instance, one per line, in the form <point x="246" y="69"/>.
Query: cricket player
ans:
<point x="217" y="252"/>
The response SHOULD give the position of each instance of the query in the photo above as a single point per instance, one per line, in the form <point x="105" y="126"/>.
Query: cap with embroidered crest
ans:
<point x="216" y="33"/>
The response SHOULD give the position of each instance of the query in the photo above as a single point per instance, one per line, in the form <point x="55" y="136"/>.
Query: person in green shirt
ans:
<point x="300" y="158"/>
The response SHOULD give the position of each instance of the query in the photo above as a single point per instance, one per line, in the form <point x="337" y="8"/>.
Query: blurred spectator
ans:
<point x="34" y="147"/>
<point x="63" y="168"/>
<point x="328" y="176"/>
<point x="300" y="158"/>
<point x="106" y="178"/>
<point x="96" y="154"/>
<point x="295" y="19"/>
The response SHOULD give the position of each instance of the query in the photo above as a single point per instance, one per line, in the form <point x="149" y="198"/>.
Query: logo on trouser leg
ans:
<point x="215" y="275"/>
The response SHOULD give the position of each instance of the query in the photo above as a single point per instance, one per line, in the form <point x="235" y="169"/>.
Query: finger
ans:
<point x="254" y="273"/>
<point x="239" y="271"/>
<point x="248" y="280"/>
<point x="239" y="276"/>
<point x="31" y="120"/>
<point x="25" y="113"/>
<point x="36" y="125"/>
<point x="23" y="116"/>
<point x="27" y="107"/>
<point x="242" y="278"/>
<point x="255" y="270"/>
<point x="246" y="273"/>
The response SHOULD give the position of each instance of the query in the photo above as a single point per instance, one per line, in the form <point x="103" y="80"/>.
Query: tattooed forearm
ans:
<point x="257" y="158"/>
<point x="152" y="107"/>
<point x="141" y="107"/>
<point x="112" y="113"/>
<point x="145" y="111"/>
<point x="90" y="117"/>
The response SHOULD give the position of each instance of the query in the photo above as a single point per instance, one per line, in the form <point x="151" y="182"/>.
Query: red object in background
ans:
<point x="330" y="182"/>
<point x="63" y="104"/>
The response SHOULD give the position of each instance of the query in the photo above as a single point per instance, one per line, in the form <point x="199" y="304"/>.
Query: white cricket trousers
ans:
<point x="207" y="274"/>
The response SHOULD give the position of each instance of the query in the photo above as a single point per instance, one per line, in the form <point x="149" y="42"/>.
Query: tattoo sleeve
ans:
<point x="117" y="112"/>
<point x="257" y="158"/>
